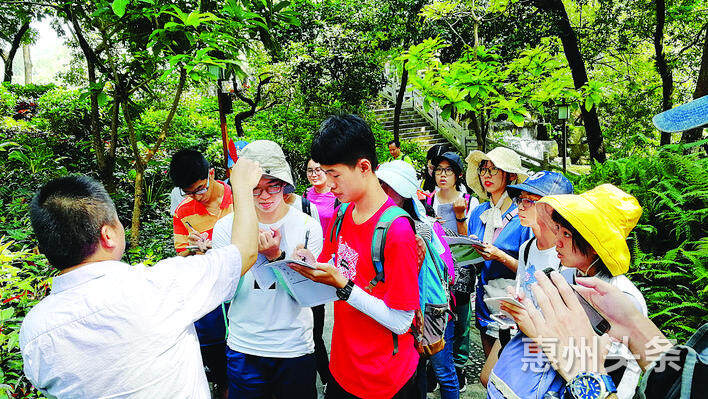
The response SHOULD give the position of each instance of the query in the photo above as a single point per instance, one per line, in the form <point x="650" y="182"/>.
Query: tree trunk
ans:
<point x="137" y="205"/>
<point x="667" y="81"/>
<point x="28" y="64"/>
<point x="692" y="135"/>
<point x="571" y="48"/>
<point x="13" y="50"/>
<point x="399" y="103"/>
<point x="141" y="163"/>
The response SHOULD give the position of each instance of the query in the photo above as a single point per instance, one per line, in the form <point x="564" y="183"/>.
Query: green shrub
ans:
<point x="25" y="278"/>
<point x="7" y="102"/>
<point x="670" y="242"/>
<point x="28" y="91"/>
<point x="64" y="112"/>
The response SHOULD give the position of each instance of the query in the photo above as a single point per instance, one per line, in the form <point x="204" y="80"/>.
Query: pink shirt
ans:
<point x="325" y="206"/>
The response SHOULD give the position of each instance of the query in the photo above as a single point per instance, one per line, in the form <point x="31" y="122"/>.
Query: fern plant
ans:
<point x="670" y="242"/>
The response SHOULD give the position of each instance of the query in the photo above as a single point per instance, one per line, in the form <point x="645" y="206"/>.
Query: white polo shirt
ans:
<point x="109" y="329"/>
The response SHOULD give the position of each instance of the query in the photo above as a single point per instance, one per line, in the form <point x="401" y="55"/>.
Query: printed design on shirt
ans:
<point x="529" y="279"/>
<point x="347" y="259"/>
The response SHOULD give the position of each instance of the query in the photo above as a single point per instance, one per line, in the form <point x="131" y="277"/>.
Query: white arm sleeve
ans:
<point x="398" y="321"/>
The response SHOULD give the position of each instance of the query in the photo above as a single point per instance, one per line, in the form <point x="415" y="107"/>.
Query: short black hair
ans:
<point x="67" y="215"/>
<point x="579" y="241"/>
<point x="344" y="139"/>
<point x="435" y="151"/>
<point x="395" y="142"/>
<point x="188" y="166"/>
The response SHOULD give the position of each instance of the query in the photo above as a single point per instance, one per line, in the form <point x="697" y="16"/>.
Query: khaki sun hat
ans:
<point x="272" y="160"/>
<point x="604" y="216"/>
<point x="503" y="158"/>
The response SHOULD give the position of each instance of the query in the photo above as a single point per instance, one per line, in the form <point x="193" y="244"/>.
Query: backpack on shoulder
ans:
<point x="681" y="373"/>
<point x="431" y="317"/>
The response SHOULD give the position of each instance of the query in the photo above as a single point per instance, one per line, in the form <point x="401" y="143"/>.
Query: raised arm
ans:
<point x="245" y="175"/>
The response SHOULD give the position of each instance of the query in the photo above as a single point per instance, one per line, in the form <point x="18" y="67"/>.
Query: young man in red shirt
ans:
<point x="372" y="355"/>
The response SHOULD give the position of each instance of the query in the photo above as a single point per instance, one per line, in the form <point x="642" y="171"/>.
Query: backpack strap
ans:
<point x="527" y="249"/>
<point x="468" y="198"/>
<point x="506" y="221"/>
<point x="306" y="204"/>
<point x="338" y="221"/>
<point x="378" y="241"/>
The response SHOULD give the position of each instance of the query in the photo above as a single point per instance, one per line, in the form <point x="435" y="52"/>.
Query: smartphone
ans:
<point x="598" y="323"/>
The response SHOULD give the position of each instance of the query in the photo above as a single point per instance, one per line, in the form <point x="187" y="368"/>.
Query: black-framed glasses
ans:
<point x="315" y="171"/>
<point x="270" y="190"/>
<point x="198" y="191"/>
<point x="527" y="202"/>
<point x="444" y="171"/>
<point x="491" y="171"/>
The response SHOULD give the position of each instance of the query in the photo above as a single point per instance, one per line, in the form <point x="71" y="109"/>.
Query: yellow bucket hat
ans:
<point x="604" y="216"/>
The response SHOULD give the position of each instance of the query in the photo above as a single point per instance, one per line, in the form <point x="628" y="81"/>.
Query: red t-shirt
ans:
<point x="362" y="359"/>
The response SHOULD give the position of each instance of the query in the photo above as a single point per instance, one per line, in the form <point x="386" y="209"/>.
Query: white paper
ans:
<point x="263" y="274"/>
<point x="304" y="291"/>
<point x="453" y="240"/>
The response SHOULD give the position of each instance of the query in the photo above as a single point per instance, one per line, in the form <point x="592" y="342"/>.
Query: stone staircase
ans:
<point x="412" y="126"/>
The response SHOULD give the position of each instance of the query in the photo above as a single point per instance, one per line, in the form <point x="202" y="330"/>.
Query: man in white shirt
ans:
<point x="109" y="329"/>
<point x="270" y="349"/>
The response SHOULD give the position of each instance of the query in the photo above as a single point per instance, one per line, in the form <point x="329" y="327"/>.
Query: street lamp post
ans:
<point x="563" y="114"/>
<point x="225" y="87"/>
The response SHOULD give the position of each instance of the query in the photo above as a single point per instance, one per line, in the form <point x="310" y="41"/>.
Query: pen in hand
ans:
<point x="307" y="238"/>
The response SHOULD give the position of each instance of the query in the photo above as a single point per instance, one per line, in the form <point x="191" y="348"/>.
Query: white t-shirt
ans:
<point x="267" y="321"/>
<point x="537" y="260"/>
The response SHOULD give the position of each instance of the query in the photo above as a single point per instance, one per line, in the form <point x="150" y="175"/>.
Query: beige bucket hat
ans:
<point x="272" y="160"/>
<point x="503" y="158"/>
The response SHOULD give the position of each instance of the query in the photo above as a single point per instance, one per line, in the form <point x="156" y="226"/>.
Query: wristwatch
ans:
<point x="344" y="292"/>
<point x="591" y="386"/>
<point x="281" y="257"/>
<point x="461" y="219"/>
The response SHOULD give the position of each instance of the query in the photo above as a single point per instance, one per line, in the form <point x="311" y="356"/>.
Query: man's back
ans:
<point x="109" y="329"/>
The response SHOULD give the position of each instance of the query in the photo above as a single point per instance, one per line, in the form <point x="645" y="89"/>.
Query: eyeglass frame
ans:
<point x="448" y="171"/>
<point x="314" y="172"/>
<point x="257" y="192"/>
<point x="200" y="191"/>
<point x="481" y="171"/>
<point x="518" y="201"/>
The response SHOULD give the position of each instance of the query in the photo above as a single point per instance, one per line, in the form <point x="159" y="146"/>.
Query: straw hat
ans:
<point x="503" y="158"/>
<point x="604" y="216"/>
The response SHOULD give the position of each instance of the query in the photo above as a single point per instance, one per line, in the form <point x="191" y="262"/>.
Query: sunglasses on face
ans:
<point x="270" y="190"/>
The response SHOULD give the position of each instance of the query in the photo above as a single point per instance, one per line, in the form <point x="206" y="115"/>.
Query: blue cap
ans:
<point x="543" y="183"/>
<point x="684" y="117"/>
<point x="451" y="157"/>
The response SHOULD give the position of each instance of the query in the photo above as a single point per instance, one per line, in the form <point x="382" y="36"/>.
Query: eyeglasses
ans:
<point x="444" y="171"/>
<point x="492" y="171"/>
<point x="315" y="171"/>
<point x="198" y="191"/>
<point x="270" y="190"/>
<point x="527" y="202"/>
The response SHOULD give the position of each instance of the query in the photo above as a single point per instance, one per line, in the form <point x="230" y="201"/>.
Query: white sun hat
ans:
<point x="400" y="176"/>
